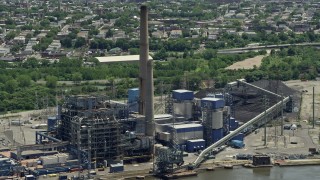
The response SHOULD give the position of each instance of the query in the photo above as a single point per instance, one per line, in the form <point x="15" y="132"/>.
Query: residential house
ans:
<point x="19" y="40"/>
<point x="83" y="34"/>
<point x="175" y="33"/>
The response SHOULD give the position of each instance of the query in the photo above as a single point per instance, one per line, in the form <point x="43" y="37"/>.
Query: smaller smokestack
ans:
<point x="150" y="131"/>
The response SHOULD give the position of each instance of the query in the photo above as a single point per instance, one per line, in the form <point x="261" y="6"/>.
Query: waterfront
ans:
<point x="274" y="173"/>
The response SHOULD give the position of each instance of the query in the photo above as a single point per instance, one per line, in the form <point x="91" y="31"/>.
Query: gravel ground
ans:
<point x="247" y="63"/>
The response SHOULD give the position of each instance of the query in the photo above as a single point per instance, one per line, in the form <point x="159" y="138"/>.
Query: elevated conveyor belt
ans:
<point x="228" y="137"/>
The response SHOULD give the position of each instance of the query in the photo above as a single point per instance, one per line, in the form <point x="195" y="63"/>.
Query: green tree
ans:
<point x="11" y="86"/>
<point x="209" y="54"/>
<point x="24" y="81"/>
<point x="45" y="23"/>
<point x="134" y="51"/>
<point x="76" y="77"/>
<point x="161" y="55"/>
<point x="66" y="42"/>
<point x="10" y="35"/>
<point x="51" y="81"/>
<point x="80" y="41"/>
<point x="109" y="33"/>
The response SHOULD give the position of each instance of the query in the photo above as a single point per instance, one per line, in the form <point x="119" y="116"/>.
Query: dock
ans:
<point x="300" y="162"/>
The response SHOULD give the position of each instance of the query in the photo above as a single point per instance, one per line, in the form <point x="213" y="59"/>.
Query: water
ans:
<point x="274" y="173"/>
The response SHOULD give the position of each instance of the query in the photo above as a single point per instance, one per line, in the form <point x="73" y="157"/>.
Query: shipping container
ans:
<point x="116" y="168"/>
<point x="182" y="95"/>
<point x="212" y="103"/>
<point x="217" y="134"/>
<point x="133" y="95"/>
<point x="195" y="145"/>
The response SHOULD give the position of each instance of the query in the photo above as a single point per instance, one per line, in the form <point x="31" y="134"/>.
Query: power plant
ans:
<point x="91" y="132"/>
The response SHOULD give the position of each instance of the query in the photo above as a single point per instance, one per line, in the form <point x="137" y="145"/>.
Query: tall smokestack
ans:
<point x="146" y="106"/>
<point x="144" y="53"/>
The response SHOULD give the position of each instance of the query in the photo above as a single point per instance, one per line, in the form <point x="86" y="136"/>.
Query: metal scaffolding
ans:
<point x="90" y="125"/>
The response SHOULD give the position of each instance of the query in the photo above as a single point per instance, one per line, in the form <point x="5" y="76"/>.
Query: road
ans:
<point x="255" y="48"/>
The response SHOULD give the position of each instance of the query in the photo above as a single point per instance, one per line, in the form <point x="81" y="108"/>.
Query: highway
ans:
<point x="254" y="48"/>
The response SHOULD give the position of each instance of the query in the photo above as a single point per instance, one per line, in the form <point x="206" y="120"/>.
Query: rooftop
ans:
<point x="182" y="126"/>
<point x="128" y="58"/>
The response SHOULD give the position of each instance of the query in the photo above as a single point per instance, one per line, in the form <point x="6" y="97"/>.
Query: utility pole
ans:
<point x="265" y="103"/>
<point x="161" y="89"/>
<point x="313" y="107"/>
<point x="282" y="114"/>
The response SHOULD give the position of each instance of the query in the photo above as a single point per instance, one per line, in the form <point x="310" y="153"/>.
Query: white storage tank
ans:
<point x="217" y="119"/>
<point x="183" y="109"/>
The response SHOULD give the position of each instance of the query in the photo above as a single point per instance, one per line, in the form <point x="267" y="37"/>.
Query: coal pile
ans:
<point x="248" y="101"/>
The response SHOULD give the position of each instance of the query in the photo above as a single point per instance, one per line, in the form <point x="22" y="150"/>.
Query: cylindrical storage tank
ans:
<point x="217" y="119"/>
<point x="183" y="109"/>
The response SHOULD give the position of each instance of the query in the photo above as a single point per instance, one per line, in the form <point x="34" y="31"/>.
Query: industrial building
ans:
<point x="93" y="131"/>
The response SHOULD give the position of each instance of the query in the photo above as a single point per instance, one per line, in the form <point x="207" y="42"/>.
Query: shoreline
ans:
<point x="215" y="165"/>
